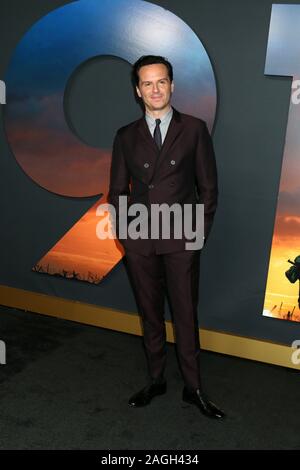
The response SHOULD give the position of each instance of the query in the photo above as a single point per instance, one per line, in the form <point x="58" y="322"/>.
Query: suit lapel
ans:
<point x="146" y="134"/>
<point x="174" y="129"/>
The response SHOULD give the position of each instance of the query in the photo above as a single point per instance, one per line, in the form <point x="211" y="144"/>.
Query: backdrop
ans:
<point x="248" y="133"/>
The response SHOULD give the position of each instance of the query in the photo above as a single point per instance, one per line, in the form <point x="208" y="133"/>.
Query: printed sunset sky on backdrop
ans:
<point x="41" y="140"/>
<point x="283" y="58"/>
<point x="281" y="295"/>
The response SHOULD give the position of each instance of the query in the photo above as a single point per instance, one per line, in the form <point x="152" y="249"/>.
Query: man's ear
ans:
<point x="172" y="87"/>
<point x="138" y="91"/>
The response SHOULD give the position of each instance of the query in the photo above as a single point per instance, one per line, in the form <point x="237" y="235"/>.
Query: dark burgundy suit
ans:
<point x="183" y="171"/>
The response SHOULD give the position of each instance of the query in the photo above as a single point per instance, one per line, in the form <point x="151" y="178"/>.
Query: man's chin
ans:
<point x="158" y="106"/>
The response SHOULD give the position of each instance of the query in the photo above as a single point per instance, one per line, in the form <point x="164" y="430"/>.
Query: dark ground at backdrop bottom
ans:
<point x="66" y="386"/>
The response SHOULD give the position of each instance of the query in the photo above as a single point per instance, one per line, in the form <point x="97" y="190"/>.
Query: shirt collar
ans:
<point x="166" y="116"/>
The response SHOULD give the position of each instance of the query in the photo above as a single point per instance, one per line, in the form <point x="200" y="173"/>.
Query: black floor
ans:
<point x="66" y="386"/>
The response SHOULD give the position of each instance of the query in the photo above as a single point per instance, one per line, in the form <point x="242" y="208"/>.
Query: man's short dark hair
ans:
<point x="149" y="60"/>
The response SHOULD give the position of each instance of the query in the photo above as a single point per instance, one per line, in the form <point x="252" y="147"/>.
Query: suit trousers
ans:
<point x="175" y="275"/>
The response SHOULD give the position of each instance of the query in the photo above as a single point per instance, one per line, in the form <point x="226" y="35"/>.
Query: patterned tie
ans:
<point x="157" y="134"/>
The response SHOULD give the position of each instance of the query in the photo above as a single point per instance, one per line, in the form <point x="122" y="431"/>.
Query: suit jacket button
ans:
<point x="151" y="186"/>
<point x="172" y="162"/>
<point x="146" y="165"/>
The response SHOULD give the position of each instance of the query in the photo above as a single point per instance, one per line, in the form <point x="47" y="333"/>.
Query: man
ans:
<point x="165" y="157"/>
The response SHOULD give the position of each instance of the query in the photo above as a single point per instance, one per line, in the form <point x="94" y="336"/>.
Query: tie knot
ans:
<point x="158" y="121"/>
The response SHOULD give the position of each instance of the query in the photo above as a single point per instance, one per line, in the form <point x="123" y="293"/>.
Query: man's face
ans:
<point x="155" y="87"/>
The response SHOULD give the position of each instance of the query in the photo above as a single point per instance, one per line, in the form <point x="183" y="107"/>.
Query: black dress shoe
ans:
<point x="196" y="397"/>
<point x="144" y="396"/>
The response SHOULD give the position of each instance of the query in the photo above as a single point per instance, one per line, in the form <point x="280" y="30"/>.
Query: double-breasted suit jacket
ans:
<point x="183" y="171"/>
